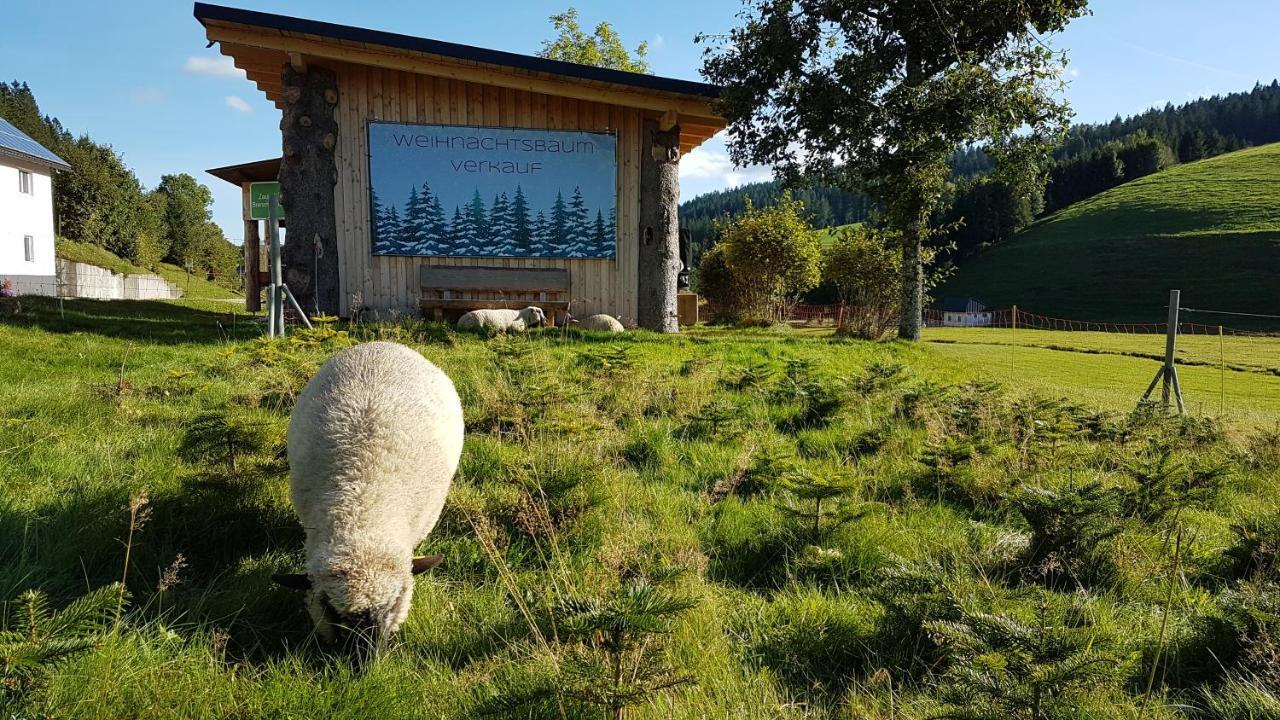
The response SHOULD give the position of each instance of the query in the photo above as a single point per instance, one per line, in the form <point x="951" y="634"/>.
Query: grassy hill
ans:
<point x="828" y="234"/>
<point x="1211" y="229"/>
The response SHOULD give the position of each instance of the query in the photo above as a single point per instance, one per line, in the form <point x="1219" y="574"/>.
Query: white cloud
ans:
<point x="658" y="42"/>
<point x="713" y="170"/>
<point x="146" y="96"/>
<point x="220" y="66"/>
<point x="1073" y="72"/>
<point x="236" y="103"/>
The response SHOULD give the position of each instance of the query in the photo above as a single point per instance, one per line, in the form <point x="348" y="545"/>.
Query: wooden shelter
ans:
<point x="331" y="81"/>
<point x="242" y="176"/>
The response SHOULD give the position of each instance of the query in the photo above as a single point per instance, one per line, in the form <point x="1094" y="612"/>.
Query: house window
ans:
<point x="29" y="247"/>
<point x="25" y="186"/>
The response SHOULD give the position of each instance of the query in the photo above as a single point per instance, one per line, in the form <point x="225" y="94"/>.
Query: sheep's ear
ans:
<point x="293" y="581"/>
<point x="423" y="564"/>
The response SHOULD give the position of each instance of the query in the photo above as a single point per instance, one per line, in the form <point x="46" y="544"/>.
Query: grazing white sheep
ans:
<point x="602" y="323"/>
<point x="502" y="321"/>
<point x="373" y="445"/>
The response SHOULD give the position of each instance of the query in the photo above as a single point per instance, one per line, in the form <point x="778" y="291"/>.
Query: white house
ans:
<point x="26" y="212"/>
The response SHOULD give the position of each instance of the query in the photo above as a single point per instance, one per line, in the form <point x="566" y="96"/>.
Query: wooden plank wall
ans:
<point x="391" y="283"/>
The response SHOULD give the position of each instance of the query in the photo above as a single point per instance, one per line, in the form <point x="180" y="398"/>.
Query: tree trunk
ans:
<point x="659" y="261"/>
<point x="912" y="231"/>
<point x="307" y="177"/>
<point x="252" y="261"/>
<point x="912" y="282"/>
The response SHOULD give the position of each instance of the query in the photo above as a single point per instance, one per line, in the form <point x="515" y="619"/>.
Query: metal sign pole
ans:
<point x="275" y="309"/>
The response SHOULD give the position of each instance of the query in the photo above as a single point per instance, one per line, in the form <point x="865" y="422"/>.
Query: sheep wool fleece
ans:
<point x="373" y="444"/>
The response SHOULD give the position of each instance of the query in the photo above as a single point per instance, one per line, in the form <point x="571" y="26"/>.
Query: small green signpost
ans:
<point x="259" y="196"/>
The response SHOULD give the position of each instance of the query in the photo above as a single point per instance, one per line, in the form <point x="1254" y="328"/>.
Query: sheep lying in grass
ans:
<point x="502" y="321"/>
<point x="601" y="323"/>
<point x="373" y="444"/>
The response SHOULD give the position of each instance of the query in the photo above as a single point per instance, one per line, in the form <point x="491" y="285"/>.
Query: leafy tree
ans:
<point x="863" y="265"/>
<point x="186" y="210"/>
<point x="877" y="95"/>
<point x="603" y="48"/>
<point x="773" y="256"/>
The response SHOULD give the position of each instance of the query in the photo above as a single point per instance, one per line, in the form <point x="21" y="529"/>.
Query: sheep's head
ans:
<point x="361" y="597"/>
<point x="533" y="316"/>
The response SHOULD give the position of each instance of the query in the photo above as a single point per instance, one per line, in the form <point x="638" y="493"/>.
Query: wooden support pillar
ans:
<point x="659" y="256"/>
<point x="307" y="177"/>
<point x="252" y="283"/>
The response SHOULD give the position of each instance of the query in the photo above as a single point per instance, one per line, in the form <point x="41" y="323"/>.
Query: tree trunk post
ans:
<point x="659" y="256"/>
<point x="912" y="283"/>
<point x="252" y="284"/>
<point x="307" y="176"/>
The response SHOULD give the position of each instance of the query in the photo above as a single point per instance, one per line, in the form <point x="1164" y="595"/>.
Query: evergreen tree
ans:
<point x="578" y="231"/>
<point x="521" y="234"/>
<point x="378" y="216"/>
<point x="394" y="230"/>
<point x="611" y="233"/>
<point x="500" y="227"/>
<point x="466" y="238"/>
<point x="539" y="240"/>
<point x="457" y="234"/>
<point x="557" y="235"/>
<point x="599" y="241"/>
<point x="477" y="227"/>
<point x="413" y="231"/>
<point x="437" y="228"/>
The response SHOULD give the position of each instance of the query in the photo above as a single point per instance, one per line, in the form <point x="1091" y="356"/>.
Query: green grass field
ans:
<point x="836" y="529"/>
<point x="1210" y="229"/>
<point x="827" y="235"/>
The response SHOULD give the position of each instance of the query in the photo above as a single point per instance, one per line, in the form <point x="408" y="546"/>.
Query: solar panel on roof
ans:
<point x="16" y="141"/>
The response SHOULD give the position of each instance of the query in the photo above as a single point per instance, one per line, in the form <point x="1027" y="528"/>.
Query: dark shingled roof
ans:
<point x="15" y="143"/>
<point x="205" y="12"/>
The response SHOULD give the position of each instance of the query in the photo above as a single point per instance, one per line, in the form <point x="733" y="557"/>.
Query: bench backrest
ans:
<point x="445" y="277"/>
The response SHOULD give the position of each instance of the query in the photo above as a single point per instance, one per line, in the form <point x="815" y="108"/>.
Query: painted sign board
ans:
<point x="453" y="190"/>
<point x="259" y="196"/>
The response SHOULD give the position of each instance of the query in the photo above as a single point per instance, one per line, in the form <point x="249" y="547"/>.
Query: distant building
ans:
<point x="26" y="212"/>
<point x="964" y="312"/>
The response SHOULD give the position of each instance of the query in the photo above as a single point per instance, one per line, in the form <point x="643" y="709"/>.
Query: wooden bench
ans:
<point x="447" y="287"/>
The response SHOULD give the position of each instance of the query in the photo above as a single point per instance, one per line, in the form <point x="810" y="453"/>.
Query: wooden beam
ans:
<point x="669" y="119"/>
<point x="297" y="62"/>
<point x="434" y="65"/>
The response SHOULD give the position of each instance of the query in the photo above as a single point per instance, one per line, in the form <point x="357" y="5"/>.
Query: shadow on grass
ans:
<point x="152" y="321"/>
<point x="230" y="533"/>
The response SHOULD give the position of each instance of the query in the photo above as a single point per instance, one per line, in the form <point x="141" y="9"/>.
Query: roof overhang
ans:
<point x="262" y="43"/>
<point x="256" y="171"/>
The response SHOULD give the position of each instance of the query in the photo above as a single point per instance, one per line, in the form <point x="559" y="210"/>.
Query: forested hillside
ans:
<point x="102" y="202"/>
<point x="1093" y="159"/>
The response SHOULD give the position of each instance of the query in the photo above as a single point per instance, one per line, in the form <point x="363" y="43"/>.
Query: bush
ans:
<point x="864" y="267"/>
<point x="762" y="263"/>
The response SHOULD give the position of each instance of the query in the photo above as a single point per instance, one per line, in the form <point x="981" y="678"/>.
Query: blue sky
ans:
<point x="136" y="73"/>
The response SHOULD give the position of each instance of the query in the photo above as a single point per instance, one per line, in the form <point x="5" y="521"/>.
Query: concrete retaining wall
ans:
<point x="81" y="280"/>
